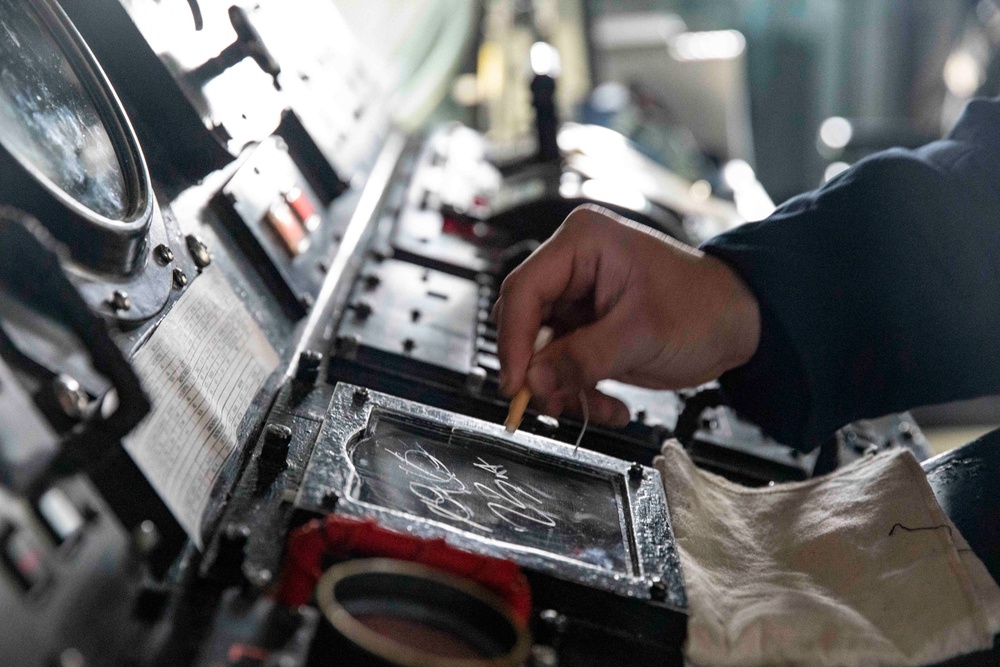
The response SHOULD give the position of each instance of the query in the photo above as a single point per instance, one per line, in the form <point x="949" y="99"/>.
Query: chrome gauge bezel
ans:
<point x="106" y="254"/>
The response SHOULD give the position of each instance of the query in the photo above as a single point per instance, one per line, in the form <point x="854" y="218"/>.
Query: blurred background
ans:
<point x="751" y="100"/>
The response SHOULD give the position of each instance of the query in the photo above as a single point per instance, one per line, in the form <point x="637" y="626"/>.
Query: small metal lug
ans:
<point x="361" y="396"/>
<point x="307" y="370"/>
<point x="635" y="472"/>
<point x="275" y="448"/>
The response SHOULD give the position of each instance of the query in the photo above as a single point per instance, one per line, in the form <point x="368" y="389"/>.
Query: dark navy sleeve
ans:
<point x="880" y="291"/>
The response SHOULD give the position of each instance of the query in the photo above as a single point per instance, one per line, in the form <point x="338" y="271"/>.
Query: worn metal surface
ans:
<point x="656" y="572"/>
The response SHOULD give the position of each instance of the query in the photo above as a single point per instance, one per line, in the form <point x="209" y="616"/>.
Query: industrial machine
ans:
<point x="248" y="383"/>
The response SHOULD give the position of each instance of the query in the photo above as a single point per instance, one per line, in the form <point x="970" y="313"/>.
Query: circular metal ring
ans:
<point x="399" y="613"/>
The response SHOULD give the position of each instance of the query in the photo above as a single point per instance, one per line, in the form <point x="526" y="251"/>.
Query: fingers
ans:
<point x="563" y="268"/>
<point x="580" y="359"/>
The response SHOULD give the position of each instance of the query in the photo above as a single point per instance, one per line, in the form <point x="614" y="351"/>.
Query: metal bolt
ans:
<point x="329" y="501"/>
<point x="199" y="251"/>
<point x="163" y="253"/>
<point x="408" y="345"/>
<point x="414" y="315"/>
<point x="145" y="537"/>
<point x="658" y="590"/>
<point x="372" y="281"/>
<point x="275" y="447"/>
<point x="307" y="369"/>
<point x="180" y="278"/>
<point x="119" y="300"/>
<point x="641" y="415"/>
<point x="72" y="399"/>
<point x="635" y="472"/>
<point x="361" y="396"/>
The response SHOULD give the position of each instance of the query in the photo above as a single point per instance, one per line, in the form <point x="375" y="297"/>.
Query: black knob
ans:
<point x="543" y="99"/>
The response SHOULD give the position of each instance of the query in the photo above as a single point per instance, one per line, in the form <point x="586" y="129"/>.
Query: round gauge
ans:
<point x="69" y="156"/>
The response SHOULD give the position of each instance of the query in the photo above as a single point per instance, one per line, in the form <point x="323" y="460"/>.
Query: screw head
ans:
<point x="199" y="251"/>
<point x="408" y="345"/>
<point x="372" y="281"/>
<point x="163" y="253"/>
<point x="180" y="279"/>
<point x="119" y="300"/>
<point x="72" y="399"/>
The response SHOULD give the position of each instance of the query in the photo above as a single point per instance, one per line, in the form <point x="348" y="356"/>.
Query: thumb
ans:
<point x="579" y="359"/>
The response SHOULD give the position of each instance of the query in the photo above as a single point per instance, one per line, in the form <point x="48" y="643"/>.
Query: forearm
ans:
<point x="879" y="293"/>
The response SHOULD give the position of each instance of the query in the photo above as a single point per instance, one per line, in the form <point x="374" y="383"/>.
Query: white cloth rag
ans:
<point x="861" y="567"/>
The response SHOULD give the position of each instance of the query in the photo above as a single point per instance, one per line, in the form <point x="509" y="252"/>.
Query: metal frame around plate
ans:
<point x="330" y="470"/>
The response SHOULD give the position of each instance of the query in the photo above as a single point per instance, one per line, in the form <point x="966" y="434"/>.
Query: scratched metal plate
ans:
<point x="434" y="473"/>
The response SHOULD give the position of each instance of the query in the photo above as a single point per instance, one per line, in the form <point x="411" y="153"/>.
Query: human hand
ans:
<point x="627" y="303"/>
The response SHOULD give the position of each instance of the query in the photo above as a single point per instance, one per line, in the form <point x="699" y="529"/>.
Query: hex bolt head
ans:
<point x="180" y="279"/>
<point x="635" y="472"/>
<point x="658" y="590"/>
<point x="163" y="253"/>
<point x="199" y="251"/>
<point x="119" y="300"/>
